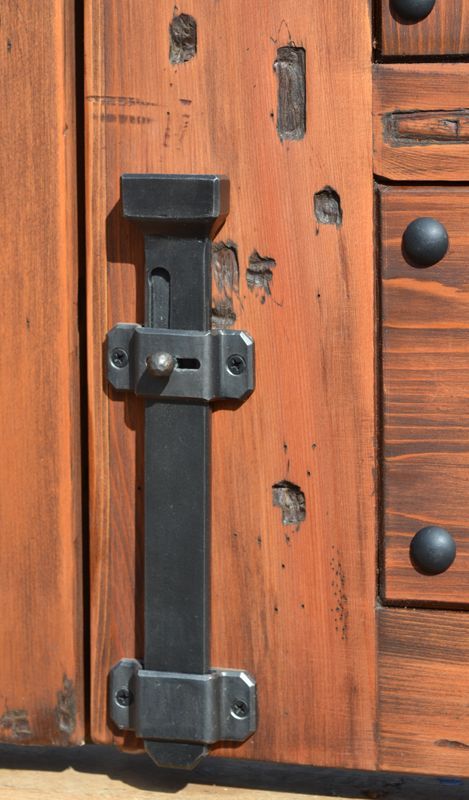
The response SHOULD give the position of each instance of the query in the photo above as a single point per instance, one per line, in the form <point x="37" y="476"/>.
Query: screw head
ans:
<point x="425" y="242"/>
<point x="432" y="550"/>
<point x="120" y="357"/>
<point x="160" y="364"/>
<point x="239" y="709"/>
<point x="124" y="697"/>
<point x="236" y="364"/>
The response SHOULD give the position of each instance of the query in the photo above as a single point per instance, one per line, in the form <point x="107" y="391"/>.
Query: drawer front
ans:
<point x="411" y="28"/>
<point x="425" y="397"/>
<point x="421" y="122"/>
<point x="423" y="688"/>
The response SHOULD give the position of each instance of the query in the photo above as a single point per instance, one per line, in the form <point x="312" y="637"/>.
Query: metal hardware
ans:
<point x="176" y="706"/>
<point x="160" y="364"/>
<point x="210" y="365"/>
<point x="425" y="242"/>
<point x="176" y="701"/>
<point x="432" y="550"/>
<point x="411" y="11"/>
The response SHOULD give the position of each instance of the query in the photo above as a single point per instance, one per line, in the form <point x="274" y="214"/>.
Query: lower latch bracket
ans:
<point x="205" y="709"/>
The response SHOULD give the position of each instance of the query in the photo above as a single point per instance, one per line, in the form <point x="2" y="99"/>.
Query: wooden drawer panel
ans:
<point x="423" y="724"/>
<point x="421" y="121"/>
<point x="444" y="31"/>
<point x="425" y="369"/>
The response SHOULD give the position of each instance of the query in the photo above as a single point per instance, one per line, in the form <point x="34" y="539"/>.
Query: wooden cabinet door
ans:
<point x="355" y="434"/>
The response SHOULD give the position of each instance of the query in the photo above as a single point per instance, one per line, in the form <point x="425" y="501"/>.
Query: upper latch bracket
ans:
<point x="170" y="364"/>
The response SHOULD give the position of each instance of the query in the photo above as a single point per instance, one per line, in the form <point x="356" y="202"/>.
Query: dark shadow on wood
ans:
<point x="139" y="772"/>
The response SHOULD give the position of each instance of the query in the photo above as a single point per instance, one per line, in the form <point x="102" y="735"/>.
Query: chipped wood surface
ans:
<point x="420" y="121"/>
<point x="425" y="345"/>
<point x="427" y="127"/>
<point x="296" y="610"/>
<point x="445" y="31"/>
<point x="40" y="585"/>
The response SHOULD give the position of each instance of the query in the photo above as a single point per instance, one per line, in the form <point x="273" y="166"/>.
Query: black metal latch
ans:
<point x="175" y="701"/>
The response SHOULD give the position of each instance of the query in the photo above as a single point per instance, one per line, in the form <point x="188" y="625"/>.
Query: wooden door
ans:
<point x="355" y="436"/>
<point x="293" y="594"/>
<point x="41" y="598"/>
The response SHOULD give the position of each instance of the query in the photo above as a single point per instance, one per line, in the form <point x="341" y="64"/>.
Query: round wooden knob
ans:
<point x="411" y="11"/>
<point x="425" y="242"/>
<point x="432" y="550"/>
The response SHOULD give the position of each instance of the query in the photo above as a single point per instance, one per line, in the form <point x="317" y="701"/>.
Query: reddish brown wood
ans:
<point x="423" y="689"/>
<point x="41" y="665"/>
<point x="428" y="101"/>
<point x="425" y="337"/>
<point x="445" y="31"/>
<point x="294" y="604"/>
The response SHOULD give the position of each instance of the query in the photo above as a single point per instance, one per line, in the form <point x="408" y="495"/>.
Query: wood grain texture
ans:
<point x="423" y="689"/>
<point x="412" y="92"/>
<point x="425" y="344"/>
<point x="294" y="604"/>
<point x="444" y="32"/>
<point x="41" y="669"/>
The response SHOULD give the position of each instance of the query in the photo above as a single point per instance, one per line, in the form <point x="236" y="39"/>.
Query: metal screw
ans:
<point x="124" y="697"/>
<point x="160" y="364"/>
<point x="236" y="364"/>
<point x="239" y="709"/>
<point x="119" y="357"/>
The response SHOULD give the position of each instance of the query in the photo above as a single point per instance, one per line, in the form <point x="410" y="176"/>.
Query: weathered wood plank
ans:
<point x="423" y="688"/>
<point x="41" y="669"/>
<point x="293" y="491"/>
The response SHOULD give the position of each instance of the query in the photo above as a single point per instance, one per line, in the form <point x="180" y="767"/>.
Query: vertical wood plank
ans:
<point x="41" y="669"/>
<point x="293" y="587"/>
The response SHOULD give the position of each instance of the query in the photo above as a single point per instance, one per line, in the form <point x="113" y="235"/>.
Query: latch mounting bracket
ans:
<point x="205" y="709"/>
<point x="198" y="365"/>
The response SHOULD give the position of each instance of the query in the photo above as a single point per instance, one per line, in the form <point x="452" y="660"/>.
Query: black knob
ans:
<point x="432" y="550"/>
<point x="411" y="11"/>
<point x="425" y="242"/>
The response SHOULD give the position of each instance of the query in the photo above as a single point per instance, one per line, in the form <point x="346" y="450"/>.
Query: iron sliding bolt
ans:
<point x="174" y="699"/>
